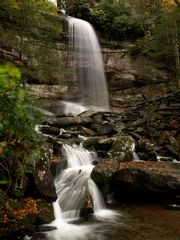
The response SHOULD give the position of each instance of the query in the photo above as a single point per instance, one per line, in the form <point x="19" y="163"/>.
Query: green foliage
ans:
<point x="16" y="120"/>
<point x="18" y="139"/>
<point x="165" y="35"/>
<point x="77" y="8"/>
<point x="115" y="20"/>
<point x="29" y="18"/>
<point x="33" y="29"/>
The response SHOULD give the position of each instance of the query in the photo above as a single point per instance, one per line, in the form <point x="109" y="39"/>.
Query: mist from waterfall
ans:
<point x="86" y="78"/>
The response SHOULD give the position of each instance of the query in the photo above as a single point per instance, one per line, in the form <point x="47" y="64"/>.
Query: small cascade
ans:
<point x="135" y="156"/>
<point x="86" y="78"/>
<point x="75" y="188"/>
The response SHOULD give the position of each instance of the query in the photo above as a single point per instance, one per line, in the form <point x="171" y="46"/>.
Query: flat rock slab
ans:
<point x="151" y="176"/>
<point x="104" y="170"/>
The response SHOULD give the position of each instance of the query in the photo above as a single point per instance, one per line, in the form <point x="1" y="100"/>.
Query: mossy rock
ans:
<point x="122" y="148"/>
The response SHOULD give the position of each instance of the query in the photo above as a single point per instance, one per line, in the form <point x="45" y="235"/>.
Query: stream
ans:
<point x="124" y="220"/>
<point x="80" y="211"/>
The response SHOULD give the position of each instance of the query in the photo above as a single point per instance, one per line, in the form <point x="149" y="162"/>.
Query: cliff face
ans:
<point x="134" y="79"/>
<point x="124" y="71"/>
<point x="126" y="76"/>
<point x="43" y="63"/>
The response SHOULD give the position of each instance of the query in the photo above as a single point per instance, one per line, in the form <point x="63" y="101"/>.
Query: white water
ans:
<point x="73" y="108"/>
<point x="86" y="70"/>
<point x="135" y="156"/>
<point x="74" y="187"/>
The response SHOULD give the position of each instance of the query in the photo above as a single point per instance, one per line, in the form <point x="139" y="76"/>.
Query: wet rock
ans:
<point x="150" y="176"/>
<point x="112" y="117"/>
<point x="56" y="148"/>
<point x="57" y="164"/>
<point x="88" y="132"/>
<point x="173" y="150"/>
<point x="39" y="236"/>
<point x="153" y="132"/>
<point x="176" y="199"/>
<point x="104" y="170"/>
<point x="143" y="156"/>
<point x="145" y="145"/>
<point x="92" y="141"/>
<point x="104" y="128"/>
<point x="88" y="113"/>
<point x="140" y="131"/>
<point x="45" y="214"/>
<point x="119" y="127"/>
<point x="46" y="228"/>
<point x="122" y="148"/>
<point x="173" y="207"/>
<point x="101" y="154"/>
<point x="88" y="208"/>
<point x="43" y="179"/>
<point x="49" y="130"/>
<point x="68" y="121"/>
<point x="174" y="146"/>
<point x="103" y="173"/>
<point x="104" y="144"/>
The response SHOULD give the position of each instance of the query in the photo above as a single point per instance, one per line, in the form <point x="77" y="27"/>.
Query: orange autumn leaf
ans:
<point x="28" y="207"/>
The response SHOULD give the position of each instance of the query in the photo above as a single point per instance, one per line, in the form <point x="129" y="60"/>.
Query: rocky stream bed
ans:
<point x="137" y="170"/>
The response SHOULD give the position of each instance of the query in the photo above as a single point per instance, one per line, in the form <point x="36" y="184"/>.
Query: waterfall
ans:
<point x="86" y="78"/>
<point x="75" y="188"/>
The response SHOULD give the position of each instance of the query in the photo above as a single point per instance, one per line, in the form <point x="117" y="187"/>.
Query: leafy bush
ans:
<point x="18" y="139"/>
<point x="164" y="39"/>
<point x="115" y="20"/>
<point x="77" y="8"/>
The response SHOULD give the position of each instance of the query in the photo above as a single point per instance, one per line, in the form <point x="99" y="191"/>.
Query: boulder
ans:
<point x="159" y="177"/>
<point x="43" y="179"/>
<point x="91" y="141"/>
<point x="122" y="148"/>
<point x="88" y="132"/>
<point x="88" y="208"/>
<point x="49" y="130"/>
<point x="104" y="170"/>
<point x="104" y="144"/>
<point x="67" y="121"/>
<point x="46" y="213"/>
<point x="103" y="173"/>
<point x="106" y="128"/>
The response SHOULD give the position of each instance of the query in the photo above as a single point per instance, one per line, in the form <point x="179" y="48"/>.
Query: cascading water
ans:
<point x="74" y="186"/>
<point x="75" y="189"/>
<point x="86" y="70"/>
